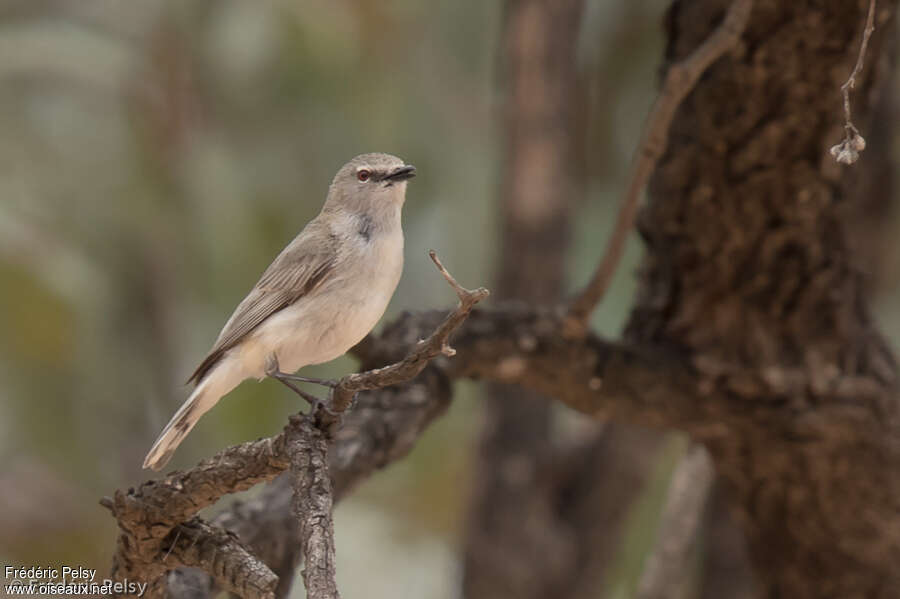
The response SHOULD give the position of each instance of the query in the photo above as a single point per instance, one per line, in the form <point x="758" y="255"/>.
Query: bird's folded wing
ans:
<point x="302" y="267"/>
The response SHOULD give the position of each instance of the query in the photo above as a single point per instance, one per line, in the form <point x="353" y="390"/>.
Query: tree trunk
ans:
<point x="514" y="526"/>
<point x="749" y="272"/>
<point x="726" y="571"/>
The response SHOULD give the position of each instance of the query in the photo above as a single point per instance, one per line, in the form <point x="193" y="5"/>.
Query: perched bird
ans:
<point x="322" y="294"/>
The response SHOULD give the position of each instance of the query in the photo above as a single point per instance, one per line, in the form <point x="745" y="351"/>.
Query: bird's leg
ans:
<point x="315" y="403"/>
<point x="285" y="379"/>
<point x="331" y="384"/>
<point x="273" y="370"/>
<point x="309" y="397"/>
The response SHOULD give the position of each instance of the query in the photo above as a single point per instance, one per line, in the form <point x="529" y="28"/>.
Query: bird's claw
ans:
<point x="322" y="404"/>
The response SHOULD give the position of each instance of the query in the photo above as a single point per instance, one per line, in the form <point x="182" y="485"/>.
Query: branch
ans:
<point x="199" y="544"/>
<point x="150" y="518"/>
<point x="847" y="152"/>
<point x="680" y="80"/>
<point x="267" y="525"/>
<point x="400" y="372"/>
<point x="311" y="507"/>
<point x="382" y="427"/>
<point x="510" y="345"/>
<point x="668" y="565"/>
<point x="148" y="515"/>
<point x="193" y="544"/>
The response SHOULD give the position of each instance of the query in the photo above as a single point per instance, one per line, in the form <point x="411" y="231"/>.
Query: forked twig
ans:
<point x="847" y="152"/>
<point x="435" y="345"/>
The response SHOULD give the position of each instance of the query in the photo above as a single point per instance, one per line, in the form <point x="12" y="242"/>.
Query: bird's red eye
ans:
<point x="363" y="175"/>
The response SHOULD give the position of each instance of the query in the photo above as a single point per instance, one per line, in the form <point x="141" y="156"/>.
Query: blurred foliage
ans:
<point x="156" y="155"/>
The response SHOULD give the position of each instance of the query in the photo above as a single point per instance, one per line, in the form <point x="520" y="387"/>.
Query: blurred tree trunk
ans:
<point x="758" y="249"/>
<point x="514" y="526"/>
<point x="602" y="486"/>
<point x="548" y="514"/>
<point x="726" y="570"/>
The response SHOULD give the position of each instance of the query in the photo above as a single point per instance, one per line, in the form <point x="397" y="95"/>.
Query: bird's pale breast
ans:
<point x="326" y="324"/>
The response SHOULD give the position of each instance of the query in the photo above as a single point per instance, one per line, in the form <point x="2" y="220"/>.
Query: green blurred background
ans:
<point x="155" y="157"/>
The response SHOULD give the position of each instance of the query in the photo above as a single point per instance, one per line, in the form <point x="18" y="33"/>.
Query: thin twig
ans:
<point x="680" y="80"/>
<point x="847" y="152"/>
<point x="437" y="344"/>
<point x="461" y="292"/>
<point x="668" y="565"/>
<point x="169" y="552"/>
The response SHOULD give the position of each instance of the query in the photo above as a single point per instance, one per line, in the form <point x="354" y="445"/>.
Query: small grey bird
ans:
<point x="322" y="294"/>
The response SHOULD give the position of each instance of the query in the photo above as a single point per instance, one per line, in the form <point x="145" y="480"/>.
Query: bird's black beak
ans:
<point x="402" y="173"/>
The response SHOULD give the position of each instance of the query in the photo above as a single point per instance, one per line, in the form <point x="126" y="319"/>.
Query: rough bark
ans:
<point x="749" y="273"/>
<point x="312" y="504"/>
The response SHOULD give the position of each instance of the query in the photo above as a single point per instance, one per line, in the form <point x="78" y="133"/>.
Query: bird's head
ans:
<point x="371" y="182"/>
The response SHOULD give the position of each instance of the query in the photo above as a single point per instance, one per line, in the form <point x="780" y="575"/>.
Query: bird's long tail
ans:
<point x="201" y="400"/>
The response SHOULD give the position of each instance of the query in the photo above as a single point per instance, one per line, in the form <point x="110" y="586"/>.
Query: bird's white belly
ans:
<point x="338" y="325"/>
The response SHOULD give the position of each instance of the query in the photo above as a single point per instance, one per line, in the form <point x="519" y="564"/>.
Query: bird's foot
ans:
<point x="322" y="404"/>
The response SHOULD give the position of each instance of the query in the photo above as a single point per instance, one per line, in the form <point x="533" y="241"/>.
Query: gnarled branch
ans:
<point x="308" y="450"/>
